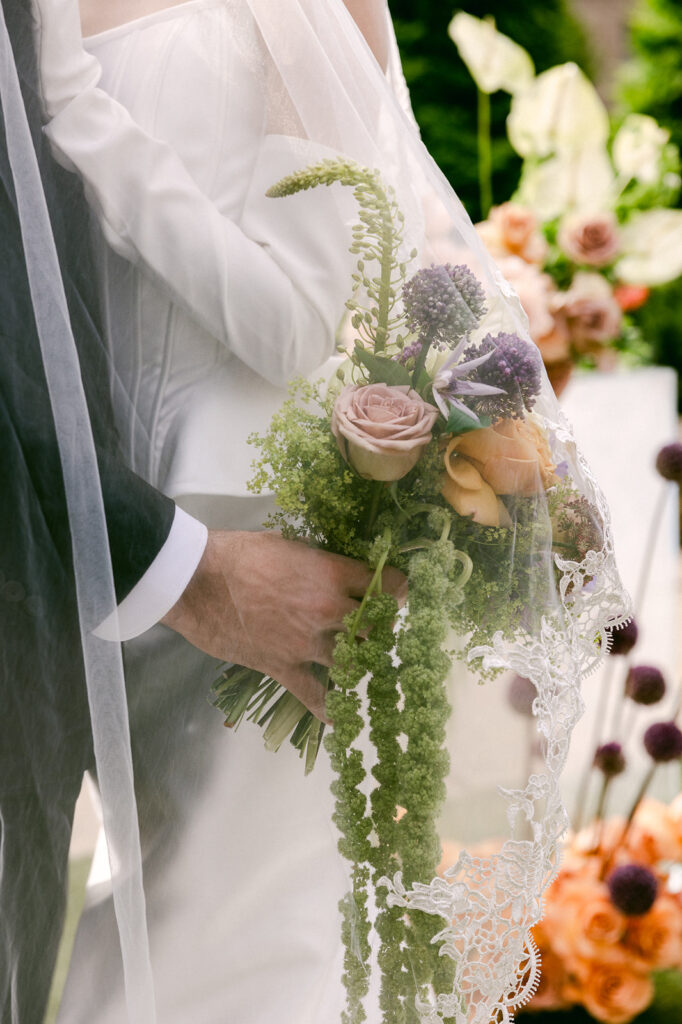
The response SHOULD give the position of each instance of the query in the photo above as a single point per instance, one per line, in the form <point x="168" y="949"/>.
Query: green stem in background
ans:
<point x="599" y="720"/>
<point x="485" y="155"/>
<point x="646" y="782"/>
<point x="649" y="551"/>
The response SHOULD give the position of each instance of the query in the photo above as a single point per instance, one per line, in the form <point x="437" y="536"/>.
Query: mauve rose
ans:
<point x="381" y="430"/>
<point x="592" y="314"/>
<point x="590" y="238"/>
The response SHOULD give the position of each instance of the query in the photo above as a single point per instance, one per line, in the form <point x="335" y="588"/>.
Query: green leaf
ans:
<point x="460" y="423"/>
<point x="382" y="370"/>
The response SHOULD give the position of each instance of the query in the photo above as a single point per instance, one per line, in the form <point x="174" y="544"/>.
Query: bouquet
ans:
<point x="589" y="230"/>
<point x="427" y="452"/>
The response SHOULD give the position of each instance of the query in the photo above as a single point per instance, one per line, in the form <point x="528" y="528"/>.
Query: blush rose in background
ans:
<point x="590" y="229"/>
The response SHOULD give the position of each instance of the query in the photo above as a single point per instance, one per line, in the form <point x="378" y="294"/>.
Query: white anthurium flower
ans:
<point x="638" y="147"/>
<point x="559" y="112"/>
<point x="577" y="181"/>
<point x="494" y="60"/>
<point x="652" y="246"/>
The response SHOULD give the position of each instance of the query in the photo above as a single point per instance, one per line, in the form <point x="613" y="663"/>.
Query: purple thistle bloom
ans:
<point x="450" y="381"/>
<point x="663" y="742"/>
<point x="609" y="759"/>
<point x="623" y="638"/>
<point x="443" y="303"/>
<point x="515" y="367"/>
<point x="633" y="889"/>
<point x="645" y="684"/>
<point x="669" y="462"/>
<point x="521" y="694"/>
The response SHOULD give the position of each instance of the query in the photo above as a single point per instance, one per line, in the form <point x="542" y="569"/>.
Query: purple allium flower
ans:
<point x="633" y="889"/>
<point x="521" y="694"/>
<point x="663" y="741"/>
<point x="443" y="303"/>
<point x="623" y="638"/>
<point x="669" y="462"/>
<point x="645" y="684"/>
<point x="514" y="367"/>
<point x="610" y="759"/>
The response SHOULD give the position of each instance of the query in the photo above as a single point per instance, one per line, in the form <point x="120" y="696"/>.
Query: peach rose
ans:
<point x="656" y="938"/>
<point x="465" y="489"/>
<point x="551" y="992"/>
<point x="590" y="238"/>
<point x="381" y="430"/>
<point x="512" y="456"/>
<point x="654" y="835"/>
<point x="582" y="919"/>
<point x="538" y="294"/>
<point x="512" y="230"/>
<point x="593" y="316"/>
<point x="612" y="991"/>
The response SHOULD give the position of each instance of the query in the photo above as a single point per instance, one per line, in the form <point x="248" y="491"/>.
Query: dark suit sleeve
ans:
<point x="138" y="517"/>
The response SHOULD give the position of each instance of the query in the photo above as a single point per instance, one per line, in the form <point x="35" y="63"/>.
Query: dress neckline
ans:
<point x="145" y="20"/>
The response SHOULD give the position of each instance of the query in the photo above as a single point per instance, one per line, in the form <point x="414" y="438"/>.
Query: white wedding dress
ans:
<point x="241" y="872"/>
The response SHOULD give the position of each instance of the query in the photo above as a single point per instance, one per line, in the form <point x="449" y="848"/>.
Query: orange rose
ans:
<point x="582" y="919"/>
<point x="654" y="835"/>
<point x="511" y="455"/>
<point x="656" y="938"/>
<point x="612" y="991"/>
<point x="468" y="493"/>
<point x="551" y="992"/>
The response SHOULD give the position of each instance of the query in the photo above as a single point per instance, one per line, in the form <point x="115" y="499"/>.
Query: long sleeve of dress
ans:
<point x="271" y="289"/>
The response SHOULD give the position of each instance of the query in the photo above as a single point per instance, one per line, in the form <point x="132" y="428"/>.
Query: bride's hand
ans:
<point x="273" y="605"/>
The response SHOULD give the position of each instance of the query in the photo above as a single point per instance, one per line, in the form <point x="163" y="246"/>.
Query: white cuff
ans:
<point x="162" y="584"/>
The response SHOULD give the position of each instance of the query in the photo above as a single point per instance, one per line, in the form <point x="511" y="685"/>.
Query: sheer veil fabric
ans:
<point x="213" y="296"/>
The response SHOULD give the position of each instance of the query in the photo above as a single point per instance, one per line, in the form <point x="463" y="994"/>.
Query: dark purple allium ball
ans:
<point x="443" y="303"/>
<point x="521" y="694"/>
<point x="515" y="366"/>
<point x="669" y="462"/>
<point x="663" y="741"/>
<point x="645" y="684"/>
<point x="609" y="759"/>
<point x="632" y="889"/>
<point x="623" y="638"/>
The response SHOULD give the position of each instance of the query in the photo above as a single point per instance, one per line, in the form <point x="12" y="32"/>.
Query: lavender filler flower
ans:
<point x="443" y="303"/>
<point x="514" y="367"/>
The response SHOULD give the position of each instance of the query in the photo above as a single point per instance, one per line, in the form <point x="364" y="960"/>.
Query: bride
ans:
<point x="213" y="298"/>
<point x="178" y="119"/>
